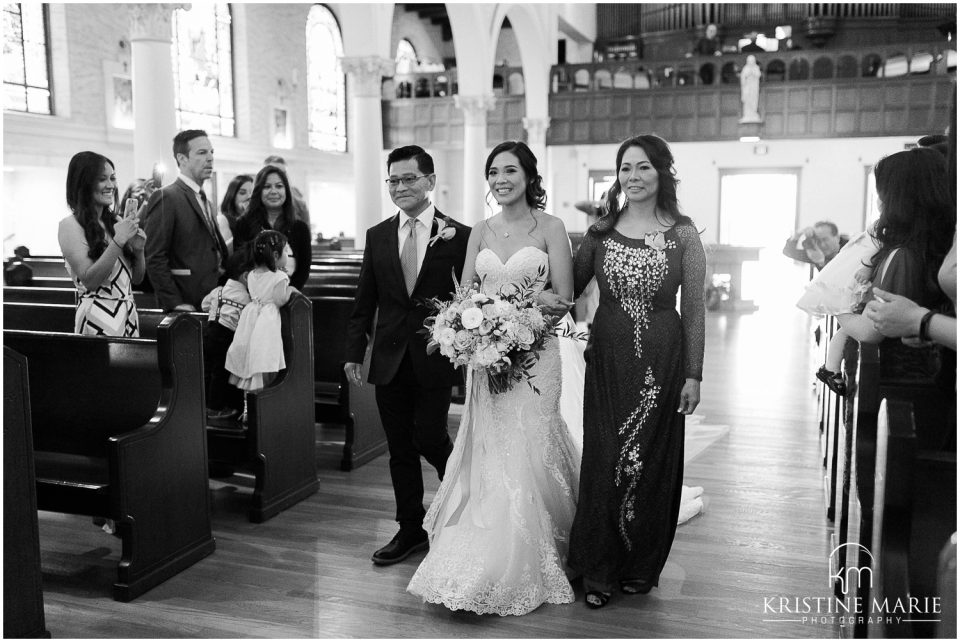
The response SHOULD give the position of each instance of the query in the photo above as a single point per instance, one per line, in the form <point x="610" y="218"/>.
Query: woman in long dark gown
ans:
<point x="644" y="364"/>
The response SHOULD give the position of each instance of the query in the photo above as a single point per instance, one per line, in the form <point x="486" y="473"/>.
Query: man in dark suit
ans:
<point x="184" y="250"/>
<point x="409" y="257"/>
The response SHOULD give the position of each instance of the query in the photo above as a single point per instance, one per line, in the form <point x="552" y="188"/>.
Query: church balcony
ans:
<point x="896" y="90"/>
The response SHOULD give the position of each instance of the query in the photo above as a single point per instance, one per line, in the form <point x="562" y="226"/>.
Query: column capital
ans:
<point x="536" y="128"/>
<point x="367" y="72"/>
<point x="152" y="21"/>
<point x="475" y="108"/>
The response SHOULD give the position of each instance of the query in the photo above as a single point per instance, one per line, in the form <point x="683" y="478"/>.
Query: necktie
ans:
<point x="211" y="224"/>
<point x="408" y="257"/>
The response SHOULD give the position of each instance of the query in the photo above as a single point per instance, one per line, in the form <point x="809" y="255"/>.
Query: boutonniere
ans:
<point x="656" y="240"/>
<point x="444" y="232"/>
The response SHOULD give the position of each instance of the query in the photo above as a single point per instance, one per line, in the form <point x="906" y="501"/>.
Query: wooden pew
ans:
<point x="880" y="375"/>
<point x="46" y="266"/>
<point x="23" y="615"/>
<point x="915" y="516"/>
<point x="278" y="443"/>
<point x="118" y="427"/>
<point x="34" y="294"/>
<point x="335" y="400"/>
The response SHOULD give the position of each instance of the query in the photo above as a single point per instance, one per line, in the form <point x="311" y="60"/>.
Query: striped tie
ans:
<point x="408" y="257"/>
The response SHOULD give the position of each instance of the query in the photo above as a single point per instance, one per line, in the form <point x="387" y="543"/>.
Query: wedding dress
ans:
<point x="500" y="521"/>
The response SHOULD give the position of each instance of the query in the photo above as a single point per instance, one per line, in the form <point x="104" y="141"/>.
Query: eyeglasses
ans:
<point x="407" y="180"/>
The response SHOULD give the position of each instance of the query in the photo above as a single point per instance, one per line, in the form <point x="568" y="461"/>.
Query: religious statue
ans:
<point x="750" y="91"/>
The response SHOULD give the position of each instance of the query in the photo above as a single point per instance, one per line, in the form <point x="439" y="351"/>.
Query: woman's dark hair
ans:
<point x="228" y="206"/>
<point x="239" y="262"/>
<point x="535" y="195"/>
<point x="137" y="185"/>
<point x="661" y="158"/>
<point x="83" y="172"/>
<point x="256" y="215"/>
<point x="266" y="247"/>
<point x="916" y="209"/>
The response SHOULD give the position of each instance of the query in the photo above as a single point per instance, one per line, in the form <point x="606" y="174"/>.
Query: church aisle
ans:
<point x="306" y="572"/>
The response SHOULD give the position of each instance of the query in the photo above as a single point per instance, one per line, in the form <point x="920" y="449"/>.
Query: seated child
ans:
<point x="843" y="285"/>
<point x="224" y="304"/>
<point x="256" y="354"/>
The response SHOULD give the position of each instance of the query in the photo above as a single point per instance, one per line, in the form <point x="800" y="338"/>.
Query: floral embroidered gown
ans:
<point x="499" y="523"/>
<point x="639" y="354"/>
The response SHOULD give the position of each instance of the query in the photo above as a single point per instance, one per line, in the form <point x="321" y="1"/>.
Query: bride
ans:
<point x="500" y="522"/>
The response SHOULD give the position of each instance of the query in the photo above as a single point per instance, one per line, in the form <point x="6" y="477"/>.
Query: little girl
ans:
<point x="224" y="305"/>
<point x="256" y="354"/>
<point x="843" y="285"/>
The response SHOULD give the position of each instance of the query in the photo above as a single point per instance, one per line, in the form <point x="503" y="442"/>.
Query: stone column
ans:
<point x="537" y="140"/>
<point x="475" y="110"/>
<point x="154" y="109"/>
<point x="366" y="137"/>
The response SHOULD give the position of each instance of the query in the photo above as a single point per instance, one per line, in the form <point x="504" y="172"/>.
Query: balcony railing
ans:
<point x="781" y="66"/>
<point x="506" y="81"/>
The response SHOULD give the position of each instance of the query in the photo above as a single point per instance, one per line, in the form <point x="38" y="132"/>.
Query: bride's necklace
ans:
<point x="506" y="233"/>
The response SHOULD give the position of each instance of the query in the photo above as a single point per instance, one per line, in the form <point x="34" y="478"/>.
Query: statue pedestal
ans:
<point x="725" y="262"/>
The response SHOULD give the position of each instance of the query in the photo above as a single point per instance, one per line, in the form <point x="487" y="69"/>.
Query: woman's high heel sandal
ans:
<point x="635" y="587"/>
<point x="596" y="599"/>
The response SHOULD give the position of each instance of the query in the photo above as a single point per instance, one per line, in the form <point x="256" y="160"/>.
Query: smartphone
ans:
<point x="130" y="208"/>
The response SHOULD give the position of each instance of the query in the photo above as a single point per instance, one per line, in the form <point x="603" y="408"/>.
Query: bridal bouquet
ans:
<point x="501" y="334"/>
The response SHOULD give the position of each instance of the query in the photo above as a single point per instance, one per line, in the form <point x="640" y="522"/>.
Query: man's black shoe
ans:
<point x="402" y="546"/>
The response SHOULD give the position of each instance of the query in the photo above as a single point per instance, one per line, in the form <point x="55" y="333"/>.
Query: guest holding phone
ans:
<point x="102" y="251"/>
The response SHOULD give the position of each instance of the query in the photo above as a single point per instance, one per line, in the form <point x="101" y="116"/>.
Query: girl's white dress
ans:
<point x="834" y="290"/>
<point x="257" y="347"/>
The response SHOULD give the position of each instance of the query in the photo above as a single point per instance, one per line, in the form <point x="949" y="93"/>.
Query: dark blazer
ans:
<point x="382" y="293"/>
<point x="183" y="257"/>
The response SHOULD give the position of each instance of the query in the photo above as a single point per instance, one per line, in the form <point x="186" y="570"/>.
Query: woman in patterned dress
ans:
<point x="103" y="252"/>
<point x="641" y="251"/>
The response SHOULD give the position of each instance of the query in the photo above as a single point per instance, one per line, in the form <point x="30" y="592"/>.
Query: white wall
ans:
<point x="425" y="37"/>
<point x="832" y="176"/>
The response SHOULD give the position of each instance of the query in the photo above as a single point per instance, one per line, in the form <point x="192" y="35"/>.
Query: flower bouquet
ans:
<point x="501" y="334"/>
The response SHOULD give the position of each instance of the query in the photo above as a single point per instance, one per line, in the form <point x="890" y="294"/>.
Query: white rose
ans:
<point x="450" y="314"/>
<point x="490" y="311"/>
<point x="503" y="308"/>
<point x="471" y="318"/>
<point x="488" y="356"/>
<point x="525" y="336"/>
<point x="463" y="341"/>
<point x="446" y="337"/>
<point x="486" y="327"/>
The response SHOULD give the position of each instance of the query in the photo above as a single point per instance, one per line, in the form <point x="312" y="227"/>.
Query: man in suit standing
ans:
<point x="184" y="250"/>
<point x="407" y="258"/>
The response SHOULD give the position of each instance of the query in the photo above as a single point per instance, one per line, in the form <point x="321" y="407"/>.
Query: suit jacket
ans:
<point x="183" y="256"/>
<point x="382" y="294"/>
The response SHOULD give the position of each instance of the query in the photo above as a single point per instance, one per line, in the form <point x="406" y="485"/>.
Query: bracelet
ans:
<point x="924" y="334"/>
<point x="117" y="244"/>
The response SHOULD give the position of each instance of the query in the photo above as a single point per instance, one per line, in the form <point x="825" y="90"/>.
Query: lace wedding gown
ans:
<point x="500" y="521"/>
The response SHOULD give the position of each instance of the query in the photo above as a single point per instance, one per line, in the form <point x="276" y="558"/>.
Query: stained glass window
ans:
<point x="406" y="57"/>
<point x="203" y="68"/>
<point x="26" y="69"/>
<point x="326" y="88"/>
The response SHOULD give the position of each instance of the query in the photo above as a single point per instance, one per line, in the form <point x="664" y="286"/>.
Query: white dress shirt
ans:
<point x="207" y="213"/>
<point x="423" y="232"/>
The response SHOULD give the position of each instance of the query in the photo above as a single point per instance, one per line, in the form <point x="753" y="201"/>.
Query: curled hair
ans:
<point x="228" y="206"/>
<point x="916" y="208"/>
<point x="535" y="195"/>
<point x="83" y="172"/>
<point x="661" y="158"/>
<point x="267" y="247"/>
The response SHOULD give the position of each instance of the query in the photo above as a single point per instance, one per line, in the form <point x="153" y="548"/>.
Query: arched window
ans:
<point x="26" y="66"/>
<point x="326" y="89"/>
<point x="406" y="57"/>
<point x="203" y="68"/>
